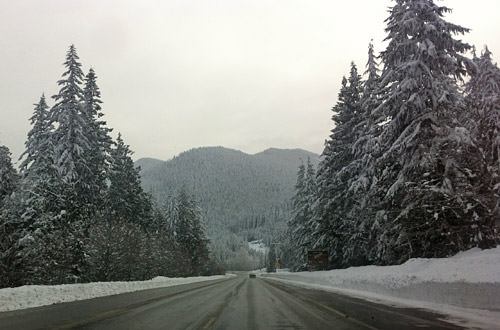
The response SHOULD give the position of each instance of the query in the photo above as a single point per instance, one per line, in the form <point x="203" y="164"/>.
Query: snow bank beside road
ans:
<point x="470" y="279"/>
<point x="39" y="295"/>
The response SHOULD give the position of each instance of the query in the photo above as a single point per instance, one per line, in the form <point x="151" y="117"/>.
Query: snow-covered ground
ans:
<point x="258" y="246"/>
<point x="39" y="295"/>
<point x="465" y="286"/>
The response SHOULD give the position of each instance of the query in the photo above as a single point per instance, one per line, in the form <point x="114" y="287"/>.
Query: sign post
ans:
<point x="317" y="260"/>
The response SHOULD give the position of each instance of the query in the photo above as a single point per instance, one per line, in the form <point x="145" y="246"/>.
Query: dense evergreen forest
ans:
<point x="242" y="197"/>
<point x="412" y="165"/>
<point x="76" y="211"/>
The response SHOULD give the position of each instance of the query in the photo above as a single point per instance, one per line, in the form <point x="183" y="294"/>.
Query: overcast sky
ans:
<point x="174" y="75"/>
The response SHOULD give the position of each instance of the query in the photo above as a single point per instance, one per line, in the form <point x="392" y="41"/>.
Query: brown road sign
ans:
<point x="317" y="260"/>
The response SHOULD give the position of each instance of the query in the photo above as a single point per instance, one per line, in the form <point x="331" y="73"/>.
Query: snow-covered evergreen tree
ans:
<point x="9" y="178"/>
<point x="332" y="207"/>
<point x="32" y="207"/>
<point x="189" y="233"/>
<point x="37" y="157"/>
<point x="37" y="168"/>
<point x="483" y="120"/>
<point x="67" y="115"/>
<point x="295" y="224"/>
<point x="11" y="228"/>
<point x="423" y="181"/>
<point x="99" y="141"/>
<point x="126" y="201"/>
<point x="364" y="229"/>
<point x="301" y="225"/>
<point x="71" y="143"/>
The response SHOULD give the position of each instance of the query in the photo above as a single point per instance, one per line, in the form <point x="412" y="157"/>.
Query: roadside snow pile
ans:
<point x="39" y="295"/>
<point x="470" y="279"/>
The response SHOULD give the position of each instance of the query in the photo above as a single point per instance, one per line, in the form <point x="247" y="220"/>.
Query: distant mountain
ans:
<point x="241" y="194"/>
<point x="291" y="157"/>
<point x="147" y="163"/>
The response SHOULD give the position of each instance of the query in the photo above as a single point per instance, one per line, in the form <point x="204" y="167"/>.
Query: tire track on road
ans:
<point x="118" y="311"/>
<point x="209" y="321"/>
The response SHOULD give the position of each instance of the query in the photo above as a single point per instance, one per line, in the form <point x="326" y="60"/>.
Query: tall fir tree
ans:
<point x="332" y="208"/>
<point x="67" y="114"/>
<point x="301" y="225"/>
<point x="296" y="222"/>
<point x="189" y="233"/>
<point x="360" y="174"/>
<point x="11" y="227"/>
<point x="421" y="178"/>
<point x="33" y="206"/>
<point x="37" y="157"/>
<point x="483" y="120"/>
<point x="98" y="153"/>
<point x="126" y="201"/>
<point x="37" y="167"/>
<point x="71" y="143"/>
<point x="9" y="178"/>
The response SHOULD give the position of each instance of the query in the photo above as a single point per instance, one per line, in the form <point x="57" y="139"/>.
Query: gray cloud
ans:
<point x="181" y="74"/>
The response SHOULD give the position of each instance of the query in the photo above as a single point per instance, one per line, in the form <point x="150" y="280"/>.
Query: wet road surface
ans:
<point x="235" y="303"/>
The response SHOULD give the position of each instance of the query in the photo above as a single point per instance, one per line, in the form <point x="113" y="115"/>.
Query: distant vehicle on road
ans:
<point x="252" y="275"/>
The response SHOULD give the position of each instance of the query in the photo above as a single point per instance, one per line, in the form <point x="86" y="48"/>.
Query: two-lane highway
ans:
<point x="236" y="303"/>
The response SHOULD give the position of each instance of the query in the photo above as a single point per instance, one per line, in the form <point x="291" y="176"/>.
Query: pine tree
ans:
<point x="296" y="222"/>
<point x="125" y="200"/>
<point x="10" y="227"/>
<point x="37" y="156"/>
<point x="99" y="141"/>
<point x="37" y="167"/>
<point x="483" y="120"/>
<point x="31" y="212"/>
<point x="364" y="226"/>
<point x="9" y="178"/>
<point x="166" y="251"/>
<point x="69" y="135"/>
<point x="332" y="207"/>
<point x="71" y="143"/>
<point x="189" y="234"/>
<point x="420" y="176"/>
<point x="301" y="225"/>
<point x="369" y="128"/>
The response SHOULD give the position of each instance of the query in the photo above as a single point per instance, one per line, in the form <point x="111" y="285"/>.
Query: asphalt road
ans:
<point x="233" y="304"/>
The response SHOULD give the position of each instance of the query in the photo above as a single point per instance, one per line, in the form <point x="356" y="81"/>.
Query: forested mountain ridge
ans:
<point x="147" y="163"/>
<point x="230" y="185"/>
<point x="241" y="194"/>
